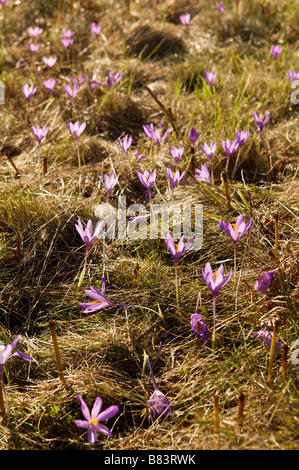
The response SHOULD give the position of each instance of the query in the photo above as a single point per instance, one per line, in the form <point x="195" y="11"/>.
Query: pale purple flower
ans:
<point x="293" y="76"/>
<point x="220" y="7"/>
<point x="229" y="148"/>
<point x="33" y="47"/>
<point x="2" y="2"/>
<point x="174" y="177"/>
<point x="198" y="327"/>
<point x="261" y="120"/>
<point x="177" y="250"/>
<point x="77" y="81"/>
<point x="185" y="19"/>
<point x="71" y="91"/>
<point x="176" y="154"/>
<point x="237" y="230"/>
<point x="6" y="353"/>
<point x="242" y="137"/>
<point x="265" y="335"/>
<point x="98" y="299"/>
<point x="148" y="180"/>
<point x="203" y="173"/>
<point x="193" y="136"/>
<point x="49" y="61"/>
<point x="95" y="29"/>
<point x="93" y="419"/>
<point x="215" y="280"/>
<point x="87" y="235"/>
<point x="28" y="91"/>
<point x="34" y="32"/>
<point x="113" y="79"/>
<point x="109" y="182"/>
<point x="39" y="133"/>
<point x="209" y="150"/>
<point x="50" y="84"/>
<point x="77" y="128"/>
<point x="156" y="134"/>
<point x="264" y="281"/>
<point x="210" y="77"/>
<point x="158" y="402"/>
<point x="125" y="143"/>
<point x="66" y="42"/>
<point x="67" y="34"/>
<point x="276" y="51"/>
<point x="94" y="83"/>
<point x="139" y="156"/>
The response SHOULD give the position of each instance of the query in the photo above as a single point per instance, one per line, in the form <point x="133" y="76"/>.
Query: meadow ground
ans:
<point x="103" y="352"/>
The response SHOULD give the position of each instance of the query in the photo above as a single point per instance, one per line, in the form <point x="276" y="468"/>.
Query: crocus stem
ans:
<point x="56" y="350"/>
<point x="235" y="260"/>
<point x="237" y="161"/>
<point x="214" y="321"/>
<point x="2" y="406"/>
<point x="272" y="351"/>
<point x="176" y="282"/>
<point x="151" y="371"/>
<point x="78" y="154"/>
<point x="193" y="162"/>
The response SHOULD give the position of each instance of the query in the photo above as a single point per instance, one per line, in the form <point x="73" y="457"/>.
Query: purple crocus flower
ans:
<point x="174" y="177"/>
<point x="77" y="81"/>
<point x="66" y="42"/>
<point x="87" y="236"/>
<point x="185" y="19"/>
<point x="99" y="300"/>
<point x="113" y="79"/>
<point x="39" y="133"/>
<point x="71" y="91"/>
<point x="264" y="281"/>
<point x="28" y="91"/>
<point x="93" y="419"/>
<point x="242" y="137"/>
<point x="139" y="156"/>
<point x="49" y="61"/>
<point x="109" y="182"/>
<point x="178" y="250"/>
<point x="67" y="34"/>
<point x="229" y="148"/>
<point x="276" y="51"/>
<point x="77" y="129"/>
<point x="158" y="402"/>
<point x="156" y="134"/>
<point x="34" y="32"/>
<point x="176" y="154"/>
<point x="293" y="76"/>
<point x="6" y="353"/>
<point x="235" y="231"/>
<point x="193" y="136"/>
<point x="33" y="47"/>
<point x="209" y="150"/>
<point x="94" y="83"/>
<point x="2" y="2"/>
<point x="203" y="173"/>
<point x="215" y="281"/>
<point x="220" y="7"/>
<point x="198" y="327"/>
<point x="261" y="120"/>
<point x="95" y="29"/>
<point x="125" y="143"/>
<point x="148" y="180"/>
<point x="265" y="335"/>
<point x="210" y="77"/>
<point x="50" y="84"/>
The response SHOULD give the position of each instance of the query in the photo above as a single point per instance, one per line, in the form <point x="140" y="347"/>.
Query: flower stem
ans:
<point x="176" y="283"/>
<point x="214" y="322"/>
<point x="78" y="154"/>
<point x="235" y="260"/>
<point x="2" y="407"/>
